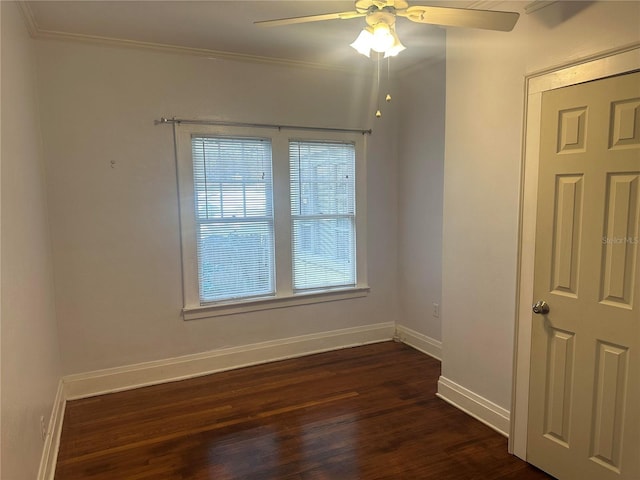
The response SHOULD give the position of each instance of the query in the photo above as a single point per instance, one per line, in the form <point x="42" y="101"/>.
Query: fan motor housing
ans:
<point x="371" y="6"/>
<point x="375" y="18"/>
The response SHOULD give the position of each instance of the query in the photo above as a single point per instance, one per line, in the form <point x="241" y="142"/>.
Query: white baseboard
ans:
<point x="188" y="366"/>
<point x="47" y="468"/>
<point x="473" y="404"/>
<point x="419" y="341"/>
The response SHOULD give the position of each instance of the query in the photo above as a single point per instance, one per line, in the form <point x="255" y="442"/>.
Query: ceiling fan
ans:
<point x="380" y="15"/>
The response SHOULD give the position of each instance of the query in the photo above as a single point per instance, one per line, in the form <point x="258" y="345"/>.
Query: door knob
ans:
<point x="541" y="307"/>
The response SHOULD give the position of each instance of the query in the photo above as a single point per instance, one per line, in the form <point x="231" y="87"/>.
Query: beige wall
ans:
<point x="420" y="141"/>
<point x="114" y="226"/>
<point x="30" y="359"/>
<point x="485" y="92"/>
<point x="115" y="230"/>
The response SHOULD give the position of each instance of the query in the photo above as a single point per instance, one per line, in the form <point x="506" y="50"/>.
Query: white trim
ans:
<point x="269" y="303"/>
<point x="478" y="407"/>
<point x="423" y="343"/>
<point x="606" y="64"/>
<point x="609" y="63"/>
<point x="283" y="287"/>
<point x="49" y="458"/>
<point x="38" y="33"/>
<point x="172" y="369"/>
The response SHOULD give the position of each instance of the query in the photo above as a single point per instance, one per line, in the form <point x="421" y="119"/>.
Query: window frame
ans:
<point x="282" y="221"/>
<point x="224" y="219"/>
<point x="317" y="217"/>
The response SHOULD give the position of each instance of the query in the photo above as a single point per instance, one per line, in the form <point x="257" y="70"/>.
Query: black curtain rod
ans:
<point x="178" y="121"/>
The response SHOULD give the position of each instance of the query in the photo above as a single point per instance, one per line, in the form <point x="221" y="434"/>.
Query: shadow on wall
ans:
<point x="559" y="12"/>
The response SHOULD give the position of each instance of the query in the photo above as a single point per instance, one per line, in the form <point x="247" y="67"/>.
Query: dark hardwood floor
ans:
<point x="361" y="413"/>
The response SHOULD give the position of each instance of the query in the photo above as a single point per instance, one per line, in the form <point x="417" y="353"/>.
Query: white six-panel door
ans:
<point x="584" y="402"/>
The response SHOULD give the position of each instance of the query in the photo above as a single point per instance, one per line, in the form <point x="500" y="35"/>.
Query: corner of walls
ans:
<point x="423" y="343"/>
<point x="30" y="356"/>
<point x="49" y="458"/>
<point x="420" y="176"/>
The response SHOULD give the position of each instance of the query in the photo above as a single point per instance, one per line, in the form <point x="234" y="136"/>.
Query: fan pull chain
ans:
<point x="378" y="112"/>
<point x="388" y="97"/>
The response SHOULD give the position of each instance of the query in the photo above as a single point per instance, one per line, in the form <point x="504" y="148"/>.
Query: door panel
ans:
<point x="608" y="418"/>
<point x="559" y="389"/>
<point x="566" y="235"/>
<point x="619" y="248"/>
<point x="584" y="403"/>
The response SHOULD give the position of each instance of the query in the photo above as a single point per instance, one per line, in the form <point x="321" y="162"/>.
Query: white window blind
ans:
<point x="233" y="192"/>
<point x="323" y="214"/>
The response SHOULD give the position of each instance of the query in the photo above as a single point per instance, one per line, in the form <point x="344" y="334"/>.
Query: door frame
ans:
<point x="613" y="62"/>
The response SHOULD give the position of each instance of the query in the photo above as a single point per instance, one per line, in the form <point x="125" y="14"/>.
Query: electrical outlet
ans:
<point x="436" y="310"/>
<point x="43" y="428"/>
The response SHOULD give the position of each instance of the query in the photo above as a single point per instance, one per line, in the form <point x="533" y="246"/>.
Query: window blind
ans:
<point x="323" y="214"/>
<point x="233" y="191"/>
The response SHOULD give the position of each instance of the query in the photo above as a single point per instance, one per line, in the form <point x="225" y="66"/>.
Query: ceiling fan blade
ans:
<point x="462" y="17"/>
<point x="310" y="18"/>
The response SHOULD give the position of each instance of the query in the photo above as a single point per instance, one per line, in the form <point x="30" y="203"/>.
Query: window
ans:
<point x="268" y="219"/>
<point x="234" y="217"/>
<point x="323" y="214"/>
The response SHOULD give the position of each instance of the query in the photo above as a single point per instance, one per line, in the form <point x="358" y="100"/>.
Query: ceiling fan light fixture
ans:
<point x="363" y="43"/>
<point x="397" y="46"/>
<point x="382" y="39"/>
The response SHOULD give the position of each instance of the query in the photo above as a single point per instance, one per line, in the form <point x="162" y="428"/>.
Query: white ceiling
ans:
<point x="227" y="27"/>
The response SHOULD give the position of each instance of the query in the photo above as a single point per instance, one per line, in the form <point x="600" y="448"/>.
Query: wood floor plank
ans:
<point x="364" y="413"/>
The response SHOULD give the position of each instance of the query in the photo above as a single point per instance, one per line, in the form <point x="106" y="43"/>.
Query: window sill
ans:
<point x="268" y="303"/>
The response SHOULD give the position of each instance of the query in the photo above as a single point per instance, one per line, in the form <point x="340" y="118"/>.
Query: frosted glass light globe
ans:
<point x="382" y="38"/>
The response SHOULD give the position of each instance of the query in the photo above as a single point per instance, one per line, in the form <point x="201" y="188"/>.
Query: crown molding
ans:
<point x="38" y="33"/>
<point x="177" y="49"/>
<point x="29" y="18"/>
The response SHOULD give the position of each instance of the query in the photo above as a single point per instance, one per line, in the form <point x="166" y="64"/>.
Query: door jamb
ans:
<point x="606" y="64"/>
